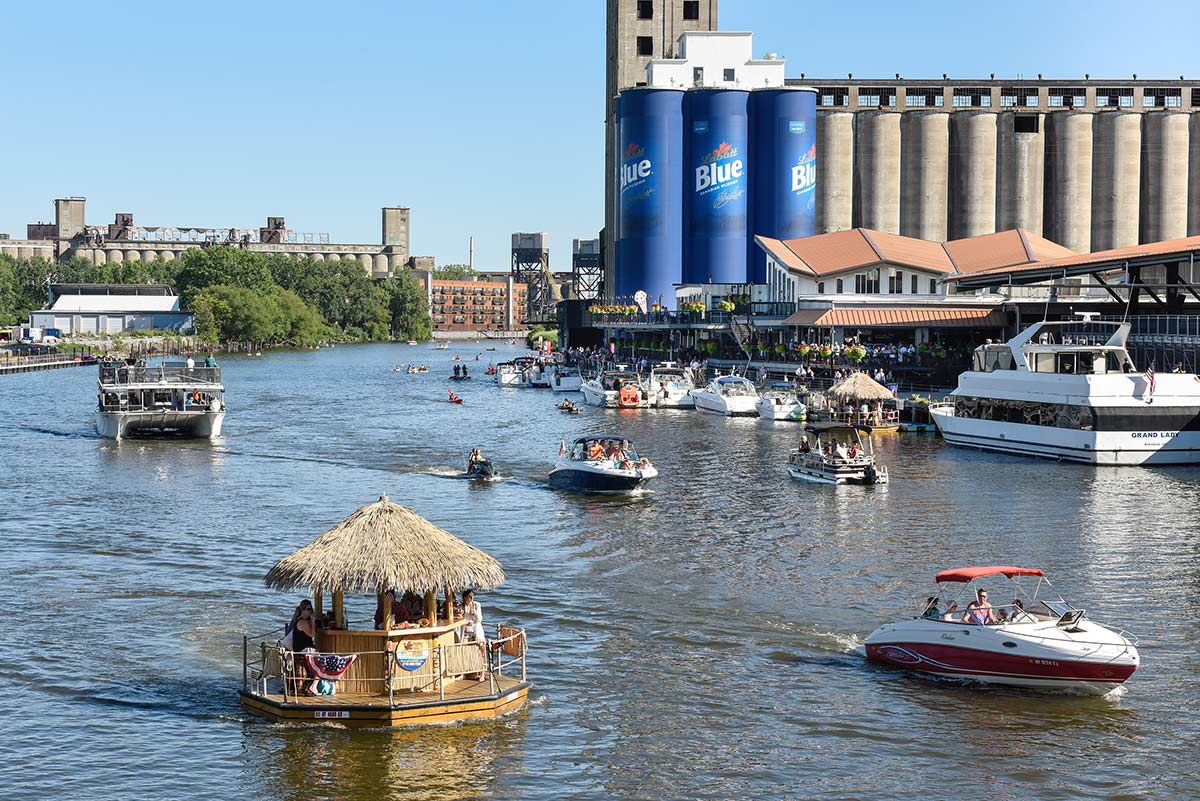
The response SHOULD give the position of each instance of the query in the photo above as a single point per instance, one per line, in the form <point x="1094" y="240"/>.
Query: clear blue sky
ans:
<point x="484" y="117"/>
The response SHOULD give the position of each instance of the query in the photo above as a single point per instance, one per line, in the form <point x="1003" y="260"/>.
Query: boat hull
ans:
<point x="567" y="384"/>
<point x="790" y="412"/>
<point x="991" y="668"/>
<point x="1108" y="448"/>
<point x="594" y="396"/>
<point x="738" y="406"/>
<point x="585" y="478"/>
<point x="840" y="475"/>
<point x="117" y="425"/>
<point x="1089" y="658"/>
<point x="437" y="711"/>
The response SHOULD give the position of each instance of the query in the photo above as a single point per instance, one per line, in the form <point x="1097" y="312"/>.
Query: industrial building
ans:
<point x="704" y="169"/>
<point x="69" y="236"/>
<point x="638" y="32"/>
<point x="1088" y="163"/>
<point x="1091" y="164"/>
<point x="100" y="309"/>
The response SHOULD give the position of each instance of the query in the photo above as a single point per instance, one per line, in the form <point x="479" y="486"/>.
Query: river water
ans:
<point x="701" y="640"/>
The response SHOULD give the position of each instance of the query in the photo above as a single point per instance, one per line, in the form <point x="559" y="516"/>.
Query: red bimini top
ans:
<point x="972" y="573"/>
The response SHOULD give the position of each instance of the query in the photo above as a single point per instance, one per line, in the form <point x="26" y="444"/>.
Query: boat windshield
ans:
<point x="997" y="600"/>
<point x="604" y="450"/>
<point x="735" y="387"/>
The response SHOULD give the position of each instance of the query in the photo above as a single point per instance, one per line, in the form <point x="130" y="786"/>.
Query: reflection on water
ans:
<point x="699" y="640"/>
<point x="462" y="761"/>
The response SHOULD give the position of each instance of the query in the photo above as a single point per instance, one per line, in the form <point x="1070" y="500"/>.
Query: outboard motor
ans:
<point x="870" y="475"/>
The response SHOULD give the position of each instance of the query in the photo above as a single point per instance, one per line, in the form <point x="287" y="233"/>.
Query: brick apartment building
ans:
<point x="493" y="303"/>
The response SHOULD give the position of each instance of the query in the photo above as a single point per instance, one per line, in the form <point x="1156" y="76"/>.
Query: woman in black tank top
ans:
<point x="303" y="633"/>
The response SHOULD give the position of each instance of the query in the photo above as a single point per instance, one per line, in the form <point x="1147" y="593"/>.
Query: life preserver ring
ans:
<point x="215" y="406"/>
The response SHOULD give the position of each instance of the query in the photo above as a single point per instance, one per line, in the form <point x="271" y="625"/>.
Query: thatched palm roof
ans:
<point x="859" y="386"/>
<point x="385" y="545"/>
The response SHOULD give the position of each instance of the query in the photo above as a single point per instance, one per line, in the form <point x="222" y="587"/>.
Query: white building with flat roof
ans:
<point x="111" y="309"/>
<point x="716" y="59"/>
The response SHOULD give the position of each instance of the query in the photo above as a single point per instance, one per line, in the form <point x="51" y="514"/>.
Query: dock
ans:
<point x="10" y="365"/>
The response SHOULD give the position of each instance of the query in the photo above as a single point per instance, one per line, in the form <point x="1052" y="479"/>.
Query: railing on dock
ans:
<point x="10" y="363"/>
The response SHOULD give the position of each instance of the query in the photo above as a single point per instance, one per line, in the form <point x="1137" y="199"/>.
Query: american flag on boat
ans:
<point x="1150" y="379"/>
<point x="329" y="666"/>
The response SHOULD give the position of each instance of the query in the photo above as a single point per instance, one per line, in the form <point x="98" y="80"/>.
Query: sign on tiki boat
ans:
<point x="421" y="660"/>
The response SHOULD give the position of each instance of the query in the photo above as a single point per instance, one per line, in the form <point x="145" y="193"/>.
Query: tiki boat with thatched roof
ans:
<point x="418" y="661"/>
<point x="848" y="398"/>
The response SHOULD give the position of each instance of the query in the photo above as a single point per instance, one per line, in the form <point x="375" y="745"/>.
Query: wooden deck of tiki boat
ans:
<point x="439" y="669"/>
<point x="462" y="699"/>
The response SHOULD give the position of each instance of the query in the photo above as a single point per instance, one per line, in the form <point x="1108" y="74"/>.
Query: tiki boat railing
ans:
<point x="265" y="659"/>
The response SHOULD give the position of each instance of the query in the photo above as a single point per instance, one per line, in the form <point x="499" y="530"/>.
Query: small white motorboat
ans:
<point x="1037" y="640"/>
<point x="566" y="379"/>
<point x="443" y="346"/>
<point x="613" y="389"/>
<point x="782" y="402"/>
<point x="832" y="462"/>
<point x="669" y="387"/>
<point x="601" y="463"/>
<point x="412" y="342"/>
<point x="730" y="395"/>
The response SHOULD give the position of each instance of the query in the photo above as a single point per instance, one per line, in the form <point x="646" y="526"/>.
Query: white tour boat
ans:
<point x="832" y="462"/>
<point x="782" y="402"/>
<point x="730" y="395"/>
<point x="601" y="463"/>
<point x="566" y="379"/>
<point x="1036" y="639"/>
<point x="1068" y="390"/>
<point x="670" y="387"/>
<point x="613" y="389"/>
<point x="166" y="398"/>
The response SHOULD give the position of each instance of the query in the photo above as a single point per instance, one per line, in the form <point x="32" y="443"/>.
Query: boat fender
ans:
<point x="215" y="406"/>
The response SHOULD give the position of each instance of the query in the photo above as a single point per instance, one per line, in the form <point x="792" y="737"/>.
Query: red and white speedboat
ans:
<point x="1028" y="637"/>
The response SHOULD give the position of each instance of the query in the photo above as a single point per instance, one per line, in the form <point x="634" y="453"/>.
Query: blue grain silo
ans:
<point x="716" y="185"/>
<point x="783" y="153"/>
<point x="649" y="182"/>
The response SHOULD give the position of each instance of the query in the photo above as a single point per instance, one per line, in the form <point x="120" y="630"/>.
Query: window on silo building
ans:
<point x="876" y="98"/>
<point x="1025" y="96"/>
<point x="969" y="97"/>
<point x="1162" y="98"/>
<point x="920" y="98"/>
<point x="645" y="9"/>
<point x="730" y="75"/>
<point x="1068" y="98"/>
<point x="1195" y="97"/>
<point x="691" y="9"/>
<point x="837" y="96"/>
<point x="645" y="45"/>
<point x="1114" y="97"/>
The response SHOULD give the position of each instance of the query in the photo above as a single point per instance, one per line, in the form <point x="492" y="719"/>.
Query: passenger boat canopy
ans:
<point x="965" y="574"/>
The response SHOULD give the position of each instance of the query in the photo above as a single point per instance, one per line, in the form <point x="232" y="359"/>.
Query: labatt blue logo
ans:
<point x="636" y="168"/>
<point x="719" y="168"/>
<point x="804" y="173"/>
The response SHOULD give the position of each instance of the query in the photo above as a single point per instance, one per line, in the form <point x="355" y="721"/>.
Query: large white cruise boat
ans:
<point x="1069" y="391"/>
<point x="163" y="398"/>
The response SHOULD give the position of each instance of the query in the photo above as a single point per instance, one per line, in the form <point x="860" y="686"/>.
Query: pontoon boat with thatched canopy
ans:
<point x="389" y="671"/>
<point x="853" y="391"/>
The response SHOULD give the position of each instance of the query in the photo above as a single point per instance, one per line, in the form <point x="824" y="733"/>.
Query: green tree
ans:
<point x="409" y="308"/>
<point x="455" y="272"/>
<point x="220" y="266"/>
